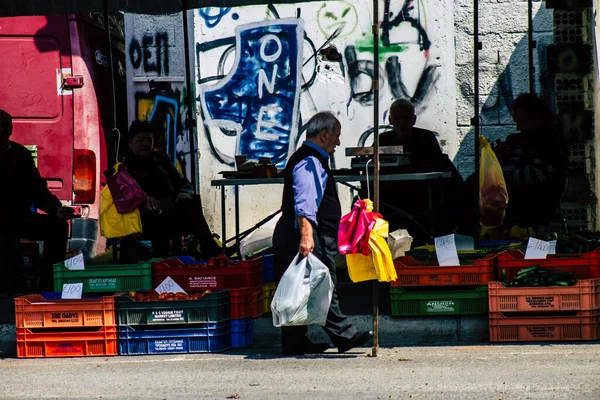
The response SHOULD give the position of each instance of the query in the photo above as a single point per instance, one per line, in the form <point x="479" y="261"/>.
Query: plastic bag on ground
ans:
<point x="304" y="293"/>
<point x="260" y="239"/>
<point x="493" y="195"/>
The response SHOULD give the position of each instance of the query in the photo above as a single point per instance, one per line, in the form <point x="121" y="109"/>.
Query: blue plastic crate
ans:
<point x="268" y="264"/>
<point x="241" y="333"/>
<point x="206" y="338"/>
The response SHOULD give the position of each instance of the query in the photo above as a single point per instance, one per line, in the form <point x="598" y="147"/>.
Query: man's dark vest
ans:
<point x="330" y="211"/>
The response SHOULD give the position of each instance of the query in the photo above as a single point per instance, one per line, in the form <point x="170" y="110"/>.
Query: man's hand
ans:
<point x="183" y="196"/>
<point x="65" y="213"/>
<point x="307" y="242"/>
<point x="152" y="204"/>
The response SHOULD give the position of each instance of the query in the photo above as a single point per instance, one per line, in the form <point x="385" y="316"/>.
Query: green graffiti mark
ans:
<point x="329" y="14"/>
<point x="365" y="44"/>
<point x="346" y="11"/>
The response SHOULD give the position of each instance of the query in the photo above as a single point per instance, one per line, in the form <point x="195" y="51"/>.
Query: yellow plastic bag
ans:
<point x="115" y="225"/>
<point x="493" y="196"/>
<point x="379" y="264"/>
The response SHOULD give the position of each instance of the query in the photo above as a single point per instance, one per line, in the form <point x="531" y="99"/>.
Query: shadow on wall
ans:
<point x="495" y="113"/>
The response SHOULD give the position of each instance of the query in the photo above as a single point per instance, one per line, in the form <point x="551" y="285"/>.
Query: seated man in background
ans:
<point x="173" y="208"/>
<point x="397" y="198"/>
<point x="23" y="187"/>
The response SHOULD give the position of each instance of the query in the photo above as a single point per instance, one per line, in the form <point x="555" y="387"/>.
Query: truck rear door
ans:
<point x="36" y="59"/>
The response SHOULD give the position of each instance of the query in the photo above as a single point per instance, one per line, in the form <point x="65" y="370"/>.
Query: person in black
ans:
<point x="172" y="208"/>
<point x="412" y="197"/>
<point x="311" y="214"/>
<point x="23" y="188"/>
<point x="534" y="164"/>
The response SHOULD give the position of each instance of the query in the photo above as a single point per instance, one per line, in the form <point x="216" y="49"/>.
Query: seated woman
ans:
<point x="534" y="164"/>
<point x="172" y="208"/>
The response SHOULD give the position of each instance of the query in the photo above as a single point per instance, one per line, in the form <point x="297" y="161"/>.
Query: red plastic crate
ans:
<point x="247" y="302"/>
<point x="412" y="272"/>
<point x="584" y="266"/>
<point x="36" y="311"/>
<point x="584" y="325"/>
<point x="584" y="295"/>
<point x="198" y="277"/>
<point x="44" y="343"/>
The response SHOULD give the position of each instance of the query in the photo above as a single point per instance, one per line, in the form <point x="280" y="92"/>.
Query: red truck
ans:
<point x="55" y="82"/>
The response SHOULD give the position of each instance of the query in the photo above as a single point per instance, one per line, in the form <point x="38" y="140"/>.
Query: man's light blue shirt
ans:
<point x="310" y="179"/>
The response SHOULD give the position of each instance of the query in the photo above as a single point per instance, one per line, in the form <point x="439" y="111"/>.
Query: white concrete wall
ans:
<point x="156" y="78"/>
<point x="323" y="84"/>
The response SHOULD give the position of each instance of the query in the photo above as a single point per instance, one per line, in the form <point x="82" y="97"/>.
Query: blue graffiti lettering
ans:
<point x="212" y="16"/>
<point x="259" y="98"/>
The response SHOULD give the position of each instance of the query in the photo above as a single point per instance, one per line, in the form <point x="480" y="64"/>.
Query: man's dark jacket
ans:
<point x="22" y="186"/>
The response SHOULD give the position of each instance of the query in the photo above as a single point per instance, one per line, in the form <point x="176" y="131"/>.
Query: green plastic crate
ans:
<point x="213" y="307"/>
<point x="106" y="278"/>
<point x="439" y="302"/>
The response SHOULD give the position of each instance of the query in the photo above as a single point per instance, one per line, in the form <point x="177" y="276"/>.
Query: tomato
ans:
<point x="139" y="297"/>
<point x="161" y="296"/>
<point x="132" y="294"/>
<point x="211" y="262"/>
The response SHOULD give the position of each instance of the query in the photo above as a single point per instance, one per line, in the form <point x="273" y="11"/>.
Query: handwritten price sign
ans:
<point x="537" y="249"/>
<point x="169" y="285"/>
<point x="75" y="263"/>
<point x="445" y="250"/>
<point x="72" y="291"/>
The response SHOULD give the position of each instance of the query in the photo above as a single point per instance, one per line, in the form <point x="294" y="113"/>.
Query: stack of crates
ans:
<point x="269" y="281"/>
<point x="546" y="313"/>
<point x="177" y="326"/>
<point x="48" y="326"/>
<point x="424" y="288"/>
<point x="243" y="280"/>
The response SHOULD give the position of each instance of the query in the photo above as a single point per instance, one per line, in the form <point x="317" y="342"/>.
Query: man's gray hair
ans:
<point x="321" y="120"/>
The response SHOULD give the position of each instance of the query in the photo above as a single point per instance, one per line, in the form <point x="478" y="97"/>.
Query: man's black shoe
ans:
<point x="359" y="339"/>
<point x="308" y="348"/>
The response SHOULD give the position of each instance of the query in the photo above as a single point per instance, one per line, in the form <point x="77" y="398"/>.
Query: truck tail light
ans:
<point x="84" y="182"/>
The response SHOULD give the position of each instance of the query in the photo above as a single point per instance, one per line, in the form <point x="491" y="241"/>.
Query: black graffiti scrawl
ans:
<point x="152" y="54"/>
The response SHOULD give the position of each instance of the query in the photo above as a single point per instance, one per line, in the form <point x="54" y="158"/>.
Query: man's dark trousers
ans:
<point x="286" y="240"/>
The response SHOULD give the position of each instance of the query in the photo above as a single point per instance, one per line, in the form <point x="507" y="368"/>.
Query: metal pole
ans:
<point x="531" y="45"/>
<point x="190" y="121"/>
<point x="113" y="102"/>
<point x="475" y="121"/>
<point x="375" y="348"/>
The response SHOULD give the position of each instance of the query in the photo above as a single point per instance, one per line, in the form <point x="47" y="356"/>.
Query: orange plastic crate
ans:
<point x="412" y="272"/>
<point x="584" y="266"/>
<point x="584" y="295"/>
<point x="44" y="343"/>
<point x="247" y="302"/>
<point x="583" y="325"/>
<point x="198" y="276"/>
<point x="35" y="311"/>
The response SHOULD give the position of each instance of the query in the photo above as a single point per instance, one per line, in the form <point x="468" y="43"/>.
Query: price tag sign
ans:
<point x="445" y="250"/>
<point x="169" y="286"/>
<point x="536" y="249"/>
<point x="72" y="291"/>
<point x="552" y="247"/>
<point x="75" y="263"/>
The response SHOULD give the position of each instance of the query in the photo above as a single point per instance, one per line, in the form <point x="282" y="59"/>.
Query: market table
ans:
<point x="341" y="179"/>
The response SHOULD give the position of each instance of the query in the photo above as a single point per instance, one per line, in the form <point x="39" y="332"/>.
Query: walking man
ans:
<point x="311" y="214"/>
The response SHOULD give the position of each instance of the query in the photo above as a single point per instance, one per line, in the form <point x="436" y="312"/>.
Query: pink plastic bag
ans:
<point x="125" y="191"/>
<point x="355" y="228"/>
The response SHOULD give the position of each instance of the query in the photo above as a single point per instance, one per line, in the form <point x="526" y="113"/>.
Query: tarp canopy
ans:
<point x="12" y="8"/>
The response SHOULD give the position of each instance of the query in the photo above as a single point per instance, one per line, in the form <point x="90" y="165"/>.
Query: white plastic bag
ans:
<point x="260" y="239"/>
<point x="304" y="293"/>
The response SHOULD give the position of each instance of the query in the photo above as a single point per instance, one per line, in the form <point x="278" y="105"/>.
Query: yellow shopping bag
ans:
<point x="493" y="195"/>
<point x="115" y="225"/>
<point x="379" y="264"/>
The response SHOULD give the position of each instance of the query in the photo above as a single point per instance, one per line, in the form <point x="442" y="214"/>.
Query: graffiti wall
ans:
<point x="156" y="82"/>
<point x="263" y="71"/>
